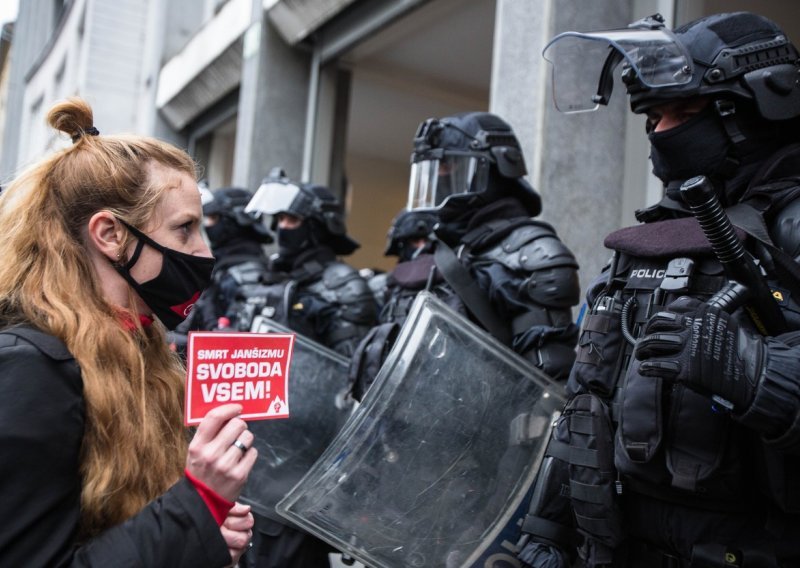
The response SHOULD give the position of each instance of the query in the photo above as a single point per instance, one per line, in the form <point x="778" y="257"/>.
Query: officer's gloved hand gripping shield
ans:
<point x="319" y="407"/>
<point x="437" y="459"/>
<point x="585" y="66"/>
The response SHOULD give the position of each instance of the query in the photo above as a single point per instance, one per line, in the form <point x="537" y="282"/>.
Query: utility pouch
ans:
<point x="592" y="475"/>
<point x="641" y="424"/>
<point x="698" y="437"/>
<point x="599" y="347"/>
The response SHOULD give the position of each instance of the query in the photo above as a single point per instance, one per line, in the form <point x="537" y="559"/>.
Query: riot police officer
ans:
<point x="410" y="240"/>
<point x="307" y="287"/>
<point x="309" y="290"/>
<point x="680" y="440"/>
<point x="409" y="236"/>
<point x="236" y="240"/>
<point x="489" y="258"/>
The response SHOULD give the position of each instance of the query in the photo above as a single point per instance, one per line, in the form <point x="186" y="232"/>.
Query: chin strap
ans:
<point x="726" y="110"/>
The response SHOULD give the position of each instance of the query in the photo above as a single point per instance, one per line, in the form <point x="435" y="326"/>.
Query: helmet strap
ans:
<point x="726" y="109"/>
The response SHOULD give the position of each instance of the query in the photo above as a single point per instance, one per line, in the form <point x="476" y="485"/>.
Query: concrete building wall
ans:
<point x="6" y="39"/>
<point x="576" y="162"/>
<point x="116" y="33"/>
<point x="36" y="21"/>
<point x="272" y="105"/>
<point x="95" y="52"/>
<point x="590" y="167"/>
<point x="58" y="72"/>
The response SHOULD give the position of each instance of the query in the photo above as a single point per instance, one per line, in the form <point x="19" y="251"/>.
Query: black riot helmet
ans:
<point x="737" y="56"/>
<point x="407" y="226"/>
<point x="229" y="202"/>
<point x="227" y="206"/>
<point x="468" y="155"/>
<point x="315" y="205"/>
<point x="741" y="55"/>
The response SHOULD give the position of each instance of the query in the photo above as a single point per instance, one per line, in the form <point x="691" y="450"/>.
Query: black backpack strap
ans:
<point x="44" y="342"/>
<point x="459" y="278"/>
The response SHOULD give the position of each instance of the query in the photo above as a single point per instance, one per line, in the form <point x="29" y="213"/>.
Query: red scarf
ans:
<point x="130" y="325"/>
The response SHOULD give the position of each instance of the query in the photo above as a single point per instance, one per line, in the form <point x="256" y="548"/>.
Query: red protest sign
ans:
<point x="251" y="369"/>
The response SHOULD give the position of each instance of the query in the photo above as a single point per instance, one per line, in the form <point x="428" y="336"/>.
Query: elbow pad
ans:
<point x="342" y="286"/>
<point x="536" y="250"/>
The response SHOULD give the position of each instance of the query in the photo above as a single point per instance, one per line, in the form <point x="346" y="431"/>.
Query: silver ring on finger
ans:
<point x="238" y="443"/>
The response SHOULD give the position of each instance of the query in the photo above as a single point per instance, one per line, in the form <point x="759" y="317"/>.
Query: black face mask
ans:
<point x="408" y="252"/>
<point x="405" y="252"/>
<point x="292" y="242"/>
<point x="699" y="146"/>
<point x="221" y="232"/>
<point x="172" y="294"/>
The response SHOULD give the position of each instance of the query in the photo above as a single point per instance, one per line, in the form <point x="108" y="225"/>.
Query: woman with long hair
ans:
<point x="101" y="252"/>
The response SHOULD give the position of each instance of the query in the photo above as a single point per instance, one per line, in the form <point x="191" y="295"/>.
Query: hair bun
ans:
<point x="73" y="117"/>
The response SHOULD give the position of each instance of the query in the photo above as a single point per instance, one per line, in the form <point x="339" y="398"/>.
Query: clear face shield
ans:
<point x="440" y="175"/>
<point x="206" y="196"/>
<point x="272" y="198"/>
<point x="654" y="57"/>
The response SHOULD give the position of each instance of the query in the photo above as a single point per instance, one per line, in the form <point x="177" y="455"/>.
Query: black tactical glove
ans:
<point x="540" y="555"/>
<point x="702" y="346"/>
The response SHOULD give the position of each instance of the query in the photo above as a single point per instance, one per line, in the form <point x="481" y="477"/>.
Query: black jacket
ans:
<point x="42" y="418"/>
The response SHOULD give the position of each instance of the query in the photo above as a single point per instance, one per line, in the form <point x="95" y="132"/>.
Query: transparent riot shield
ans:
<point x="438" y="458"/>
<point x="319" y="407"/>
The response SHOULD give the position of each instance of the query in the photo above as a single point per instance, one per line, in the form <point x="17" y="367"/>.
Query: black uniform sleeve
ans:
<point x="41" y="429"/>
<point x="775" y="411"/>
<point x="543" y="332"/>
<point x="342" y="307"/>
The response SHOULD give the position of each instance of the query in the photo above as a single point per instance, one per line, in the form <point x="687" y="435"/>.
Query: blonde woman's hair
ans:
<point x="134" y="443"/>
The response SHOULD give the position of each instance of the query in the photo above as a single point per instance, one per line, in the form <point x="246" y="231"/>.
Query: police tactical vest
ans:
<point x="668" y="441"/>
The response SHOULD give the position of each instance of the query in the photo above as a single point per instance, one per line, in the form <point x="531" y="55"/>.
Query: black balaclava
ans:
<point x="703" y="146"/>
<point x="223" y="231"/>
<point x="227" y="234"/>
<point x="406" y="252"/>
<point x="696" y="147"/>
<point x="291" y="242"/>
<point x="456" y="217"/>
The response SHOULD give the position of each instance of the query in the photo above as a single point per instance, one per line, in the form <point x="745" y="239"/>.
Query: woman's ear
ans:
<point x="106" y="235"/>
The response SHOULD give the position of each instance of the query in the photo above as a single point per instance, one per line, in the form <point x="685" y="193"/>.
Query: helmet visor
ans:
<point x="585" y="65"/>
<point x="272" y="198"/>
<point x="206" y="197"/>
<point x="434" y="180"/>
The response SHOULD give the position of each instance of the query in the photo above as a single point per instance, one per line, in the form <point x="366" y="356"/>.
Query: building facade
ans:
<point x="333" y="90"/>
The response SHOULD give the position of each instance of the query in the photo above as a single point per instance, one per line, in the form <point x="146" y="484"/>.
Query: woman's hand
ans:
<point x="214" y="459"/>
<point x="237" y="530"/>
